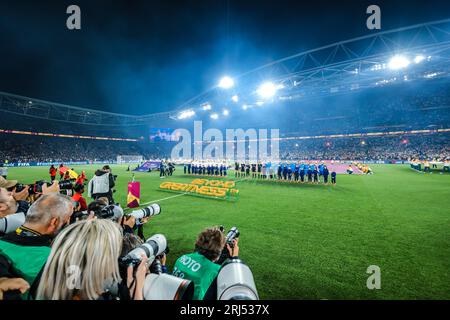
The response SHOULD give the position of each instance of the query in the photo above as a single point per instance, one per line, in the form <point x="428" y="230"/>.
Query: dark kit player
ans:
<point x="333" y="177"/>
<point x="52" y="173"/>
<point x="253" y="170"/>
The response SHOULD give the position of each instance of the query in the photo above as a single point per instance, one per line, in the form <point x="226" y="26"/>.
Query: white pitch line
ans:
<point x="177" y="195"/>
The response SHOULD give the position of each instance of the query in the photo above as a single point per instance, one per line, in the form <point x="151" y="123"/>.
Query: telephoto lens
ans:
<point x="235" y="282"/>
<point x="153" y="247"/>
<point x="152" y="210"/>
<point x="167" y="287"/>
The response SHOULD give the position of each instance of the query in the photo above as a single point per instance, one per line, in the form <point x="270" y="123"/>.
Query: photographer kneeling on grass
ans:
<point x="200" y="267"/>
<point x="24" y="252"/>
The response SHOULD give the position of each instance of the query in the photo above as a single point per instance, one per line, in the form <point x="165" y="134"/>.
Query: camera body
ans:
<point x="65" y="187"/>
<point x="113" y="212"/>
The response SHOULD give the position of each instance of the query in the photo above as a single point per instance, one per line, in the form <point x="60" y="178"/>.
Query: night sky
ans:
<point x="140" y="57"/>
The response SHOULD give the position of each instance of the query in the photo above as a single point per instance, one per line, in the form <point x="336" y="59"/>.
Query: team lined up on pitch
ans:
<point x="307" y="172"/>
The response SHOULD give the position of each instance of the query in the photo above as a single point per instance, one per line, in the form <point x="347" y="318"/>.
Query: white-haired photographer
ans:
<point x="24" y="252"/>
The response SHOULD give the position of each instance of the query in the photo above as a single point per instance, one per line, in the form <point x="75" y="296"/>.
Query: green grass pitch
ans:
<point x="314" y="241"/>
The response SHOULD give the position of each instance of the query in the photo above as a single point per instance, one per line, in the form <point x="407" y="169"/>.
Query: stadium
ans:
<point x="331" y="162"/>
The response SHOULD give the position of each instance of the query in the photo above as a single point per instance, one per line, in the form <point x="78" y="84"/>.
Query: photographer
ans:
<point x="102" y="184"/>
<point x="102" y="210"/>
<point x="90" y="249"/>
<point x="13" y="208"/>
<point x="8" y="284"/>
<point x="3" y="171"/>
<point x="200" y="266"/>
<point x="23" y="253"/>
<point x="52" y="172"/>
<point x="80" y="201"/>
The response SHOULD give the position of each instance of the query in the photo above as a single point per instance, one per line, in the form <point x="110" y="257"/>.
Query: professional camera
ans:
<point x="113" y="212"/>
<point x="235" y="282"/>
<point x="65" y="187"/>
<point x="152" y="210"/>
<point x="152" y="248"/>
<point x="231" y="235"/>
<point x="156" y="266"/>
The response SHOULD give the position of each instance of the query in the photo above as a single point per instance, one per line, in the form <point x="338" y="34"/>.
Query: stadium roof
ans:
<point x="420" y="51"/>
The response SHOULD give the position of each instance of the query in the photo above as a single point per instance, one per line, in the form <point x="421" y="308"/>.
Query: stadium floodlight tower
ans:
<point x="398" y="62"/>
<point x="419" y="51"/>
<point x="226" y="82"/>
<point x="267" y="90"/>
<point x="186" y="114"/>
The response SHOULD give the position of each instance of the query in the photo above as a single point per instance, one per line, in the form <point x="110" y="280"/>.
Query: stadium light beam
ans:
<point x="398" y="62"/>
<point x="226" y="82"/>
<point x="267" y="90"/>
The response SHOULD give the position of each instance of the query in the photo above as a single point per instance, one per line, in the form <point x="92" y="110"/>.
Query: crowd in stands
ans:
<point x="415" y="107"/>
<point x="51" y="250"/>
<point x="24" y="148"/>
<point x="385" y="148"/>
<point x="19" y="148"/>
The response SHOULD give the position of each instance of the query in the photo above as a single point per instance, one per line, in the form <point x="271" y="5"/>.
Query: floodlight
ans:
<point x="235" y="98"/>
<point x="419" y="59"/>
<point x="206" y="107"/>
<point x="267" y="90"/>
<point x="225" y="112"/>
<point x="214" y="116"/>
<point x="226" y="82"/>
<point x="245" y="107"/>
<point x="398" y="62"/>
<point x="186" y="114"/>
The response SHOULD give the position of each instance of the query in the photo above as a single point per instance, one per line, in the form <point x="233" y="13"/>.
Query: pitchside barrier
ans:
<point x="434" y="167"/>
<point x="46" y="164"/>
